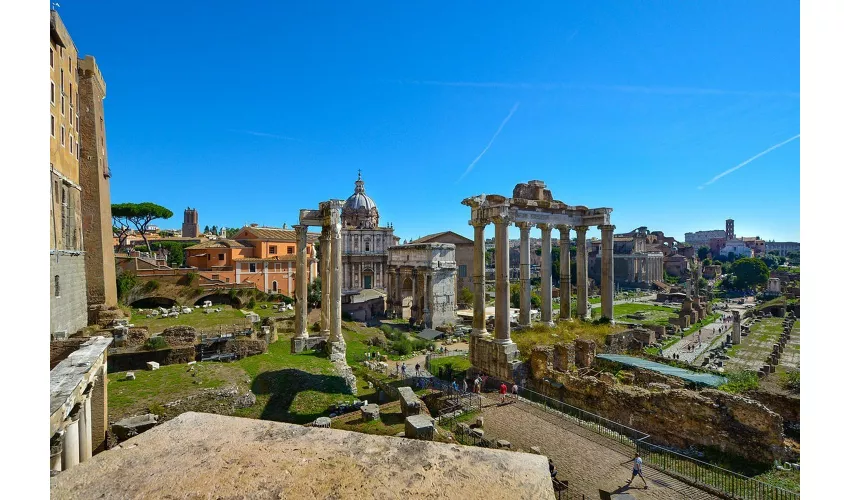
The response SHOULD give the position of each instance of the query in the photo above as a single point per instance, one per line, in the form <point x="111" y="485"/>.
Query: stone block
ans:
<point x="479" y="421"/>
<point x="477" y="432"/>
<point x="370" y="412"/>
<point x="419" y="427"/>
<point x="129" y="427"/>
<point x="658" y="386"/>
<point x="502" y="444"/>
<point x="322" y="422"/>
<point x="152" y="365"/>
<point x="130" y="376"/>
<point x="585" y="352"/>
<point x="410" y="404"/>
<point x="607" y="379"/>
<point x="535" y="450"/>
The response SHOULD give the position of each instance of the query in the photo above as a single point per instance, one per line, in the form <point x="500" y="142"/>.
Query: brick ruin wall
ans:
<point x="61" y="349"/>
<point x="673" y="417"/>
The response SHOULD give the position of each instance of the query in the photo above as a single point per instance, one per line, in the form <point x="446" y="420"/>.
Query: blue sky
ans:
<point x="250" y="111"/>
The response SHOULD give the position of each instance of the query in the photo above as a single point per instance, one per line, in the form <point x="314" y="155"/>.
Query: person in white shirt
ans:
<point x="637" y="469"/>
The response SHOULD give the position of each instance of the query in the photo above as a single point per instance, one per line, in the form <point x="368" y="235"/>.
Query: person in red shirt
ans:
<point x="503" y="390"/>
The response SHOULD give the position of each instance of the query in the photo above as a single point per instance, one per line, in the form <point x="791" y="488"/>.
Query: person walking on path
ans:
<point x="637" y="470"/>
<point x="478" y="384"/>
<point x="454" y="386"/>
<point x="465" y="387"/>
<point x="397" y="370"/>
<point x="417" y="369"/>
<point x="503" y="391"/>
<point x="403" y="370"/>
<point x="515" y="391"/>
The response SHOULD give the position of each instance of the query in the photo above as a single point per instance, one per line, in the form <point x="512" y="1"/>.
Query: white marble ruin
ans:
<point x="422" y="280"/>
<point x="531" y="205"/>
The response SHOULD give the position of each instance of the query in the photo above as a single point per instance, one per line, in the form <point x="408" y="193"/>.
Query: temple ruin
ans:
<point x="422" y="279"/>
<point x="532" y="205"/>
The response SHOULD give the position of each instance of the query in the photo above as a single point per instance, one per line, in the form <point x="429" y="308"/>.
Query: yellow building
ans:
<point x="80" y="218"/>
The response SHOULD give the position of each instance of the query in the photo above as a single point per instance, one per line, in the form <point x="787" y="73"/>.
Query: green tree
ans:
<point x="706" y="262"/>
<point x="314" y="292"/>
<point x="466" y="296"/>
<point x="771" y="261"/>
<point x="140" y="215"/>
<point x="231" y="232"/>
<point x="206" y="229"/>
<point x="750" y="273"/>
<point x="702" y="252"/>
<point x="214" y="229"/>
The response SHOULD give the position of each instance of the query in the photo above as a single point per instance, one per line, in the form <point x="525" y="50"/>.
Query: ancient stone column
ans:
<point x="736" y="327"/>
<point x="524" y="274"/>
<point x="426" y="313"/>
<point x="479" y="319"/>
<point x="414" y="308"/>
<point x="503" y="286"/>
<point x="71" y="440"/>
<point x="566" y="297"/>
<point x="301" y="281"/>
<point x="399" y="300"/>
<point x="85" y="427"/>
<point x="546" y="274"/>
<point x="581" y="270"/>
<point x="607" y="284"/>
<point x="335" y="271"/>
<point x="325" y="273"/>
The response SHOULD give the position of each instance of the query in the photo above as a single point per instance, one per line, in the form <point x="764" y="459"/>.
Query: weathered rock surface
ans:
<point x="129" y="427"/>
<point x="410" y="404"/>
<point x="179" y="336"/>
<point x="270" y="460"/>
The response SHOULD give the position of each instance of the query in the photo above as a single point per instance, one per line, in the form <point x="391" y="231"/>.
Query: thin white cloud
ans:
<point x="603" y="88"/>
<point x="768" y="150"/>
<point x="504" y="122"/>
<point x="266" y="134"/>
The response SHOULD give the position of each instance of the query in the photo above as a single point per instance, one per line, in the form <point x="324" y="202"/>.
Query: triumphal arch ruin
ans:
<point x="531" y="205"/>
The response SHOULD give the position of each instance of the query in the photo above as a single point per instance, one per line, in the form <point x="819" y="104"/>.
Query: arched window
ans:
<point x="367" y="245"/>
<point x="274" y="286"/>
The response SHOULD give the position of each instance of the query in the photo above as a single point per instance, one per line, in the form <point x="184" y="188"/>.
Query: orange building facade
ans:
<point x="262" y="256"/>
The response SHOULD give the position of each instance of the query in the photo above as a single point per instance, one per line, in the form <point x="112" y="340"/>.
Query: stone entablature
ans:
<point x="422" y="283"/>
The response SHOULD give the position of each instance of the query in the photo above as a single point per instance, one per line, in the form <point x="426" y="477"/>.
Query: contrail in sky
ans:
<point x="266" y="134"/>
<point x="768" y="150"/>
<point x="504" y="122"/>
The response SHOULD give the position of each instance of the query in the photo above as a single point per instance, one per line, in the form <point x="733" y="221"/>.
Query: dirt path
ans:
<point x="588" y="461"/>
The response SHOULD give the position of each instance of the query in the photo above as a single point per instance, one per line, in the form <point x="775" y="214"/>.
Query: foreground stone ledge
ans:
<point x="199" y="455"/>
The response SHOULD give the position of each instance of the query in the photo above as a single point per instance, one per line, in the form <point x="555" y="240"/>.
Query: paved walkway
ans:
<point x="700" y="341"/>
<point x="588" y="461"/>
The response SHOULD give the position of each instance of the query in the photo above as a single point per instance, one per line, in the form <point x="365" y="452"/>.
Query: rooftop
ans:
<point x="222" y="243"/>
<point x="199" y="455"/>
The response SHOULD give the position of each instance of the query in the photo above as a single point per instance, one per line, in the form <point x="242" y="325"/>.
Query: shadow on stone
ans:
<point x="284" y="385"/>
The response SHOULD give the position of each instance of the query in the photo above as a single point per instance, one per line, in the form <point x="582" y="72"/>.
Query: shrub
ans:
<point x="791" y="381"/>
<point x="378" y="341"/>
<point x="421" y="344"/>
<point x="737" y="382"/>
<point x="125" y="282"/>
<point x="316" y="327"/>
<point x="347" y="317"/>
<point x="286" y="299"/>
<point x="386" y="329"/>
<point x="251" y="303"/>
<point x="155" y="343"/>
<point x="191" y="277"/>
<point x="150" y="286"/>
<point x="402" y="346"/>
<point x="232" y="293"/>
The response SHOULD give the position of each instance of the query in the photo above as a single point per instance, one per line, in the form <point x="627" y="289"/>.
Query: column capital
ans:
<point x="523" y="226"/>
<point x="607" y="227"/>
<point x="479" y="223"/>
<point x="501" y="219"/>
<point x="563" y="228"/>
<point x="581" y="229"/>
<point x="544" y="226"/>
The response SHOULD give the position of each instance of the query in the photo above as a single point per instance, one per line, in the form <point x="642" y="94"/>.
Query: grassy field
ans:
<point x="751" y="353"/>
<point x="197" y="319"/>
<point x="458" y="364"/>
<point x="566" y="331"/>
<point x="391" y="422"/>
<point x="655" y="315"/>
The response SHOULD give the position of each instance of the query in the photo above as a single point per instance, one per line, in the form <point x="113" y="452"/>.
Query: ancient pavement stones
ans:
<point x="370" y="412"/>
<point x="419" y="427"/>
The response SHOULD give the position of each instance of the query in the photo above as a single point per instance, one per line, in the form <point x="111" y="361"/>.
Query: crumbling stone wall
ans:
<point x="179" y="336"/>
<point x="123" y="361"/>
<point x="136" y="336"/>
<point x="673" y="417"/>
<point x="61" y="349"/>
<point x="245" y="347"/>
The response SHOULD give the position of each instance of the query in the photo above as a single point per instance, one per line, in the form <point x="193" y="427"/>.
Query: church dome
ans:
<point x="360" y="210"/>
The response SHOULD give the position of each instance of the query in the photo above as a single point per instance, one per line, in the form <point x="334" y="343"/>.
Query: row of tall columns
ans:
<point x="479" y="319"/>
<point x="566" y="285"/>
<point x="581" y="270"/>
<point x="301" y="281"/>
<point x="546" y="274"/>
<point x="502" y="324"/>
<point x="325" y="273"/>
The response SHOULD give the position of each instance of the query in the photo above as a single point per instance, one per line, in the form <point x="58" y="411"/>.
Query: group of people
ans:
<point x="503" y="392"/>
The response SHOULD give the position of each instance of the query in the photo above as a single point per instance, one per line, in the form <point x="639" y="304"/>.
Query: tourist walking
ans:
<point x="465" y="387"/>
<point x="503" y="391"/>
<point x="515" y="391"/>
<point x="403" y="370"/>
<point x="478" y="384"/>
<point x="552" y="470"/>
<point x="637" y="469"/>
<point x="455" y="388"/>
<point x="417" y="369"/>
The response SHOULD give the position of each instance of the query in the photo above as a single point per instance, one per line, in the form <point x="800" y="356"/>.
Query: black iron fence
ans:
<point x="690" y="470"/>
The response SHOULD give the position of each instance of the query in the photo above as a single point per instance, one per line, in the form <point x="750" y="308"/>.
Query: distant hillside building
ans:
<point x="700" y="238"/>
<point x="783" y="247"/>
<point x="190" y="223"/>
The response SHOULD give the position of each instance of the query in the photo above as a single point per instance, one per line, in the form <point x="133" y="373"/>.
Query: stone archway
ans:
<point x="406" y="297"/>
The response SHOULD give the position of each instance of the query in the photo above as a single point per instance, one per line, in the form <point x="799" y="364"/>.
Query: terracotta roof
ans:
<point x="217" y="244"/>
<point x="428" y="237"/>
<point x="276" y="234"/>
<point x="278" y="258"/>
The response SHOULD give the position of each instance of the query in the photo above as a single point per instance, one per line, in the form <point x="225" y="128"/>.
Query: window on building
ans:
<point x="71" y="95"/>
<point x="366" y="246"/>
<point x="221" y="256"/>
<point x="215" y="276"/>
<point x="62" y="103"/>
<point x="278" y="268"/>
<point x="56" y="286"/>
<point x="274" y="286"/>
<point x="252" y="267"/>
<point x="52" y="93"/>
<point x="52" y="126"/>
<point x="51" y="57"/>
<point x="62" y="135"/>
<point x="71" y="117"/>
<point x="461" y="271"/>
<point x="227" y="280"/>
<point x="290" y="250"/>
<point x="62" y="79"/>
<point x="272" y="249"/>
<point x="79" y="150"/>
<point x="71" y="144"/>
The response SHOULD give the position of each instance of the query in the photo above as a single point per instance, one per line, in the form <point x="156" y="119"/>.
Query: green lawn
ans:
<point x="169" y="383"/>
<point x="391" y="422"/>
<point x="458" y="364"/>
<point x="655" y="314"/>
<point x="197" y="319"/>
